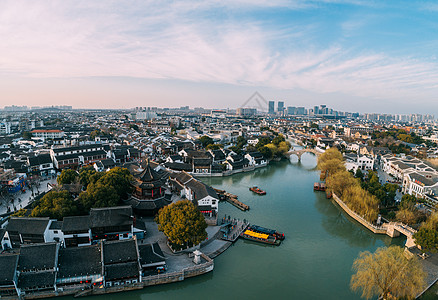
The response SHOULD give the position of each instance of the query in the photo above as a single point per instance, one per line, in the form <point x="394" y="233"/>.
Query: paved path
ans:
<point x="13" y="202"/>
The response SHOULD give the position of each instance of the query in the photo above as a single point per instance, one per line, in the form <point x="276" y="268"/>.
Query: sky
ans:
<point x="352" y="55"/>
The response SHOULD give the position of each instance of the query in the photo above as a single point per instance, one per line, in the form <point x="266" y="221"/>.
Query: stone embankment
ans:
<point x="391" y="229"/>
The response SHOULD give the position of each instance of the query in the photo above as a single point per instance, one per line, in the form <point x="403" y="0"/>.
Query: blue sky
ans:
<point x="367" y="56"/>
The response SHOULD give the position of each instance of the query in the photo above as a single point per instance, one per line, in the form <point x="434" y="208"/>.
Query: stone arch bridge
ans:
<point x="299" y="153"/>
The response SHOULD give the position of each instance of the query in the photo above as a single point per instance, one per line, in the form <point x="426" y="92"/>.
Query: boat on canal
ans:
<point x="274" y="233"/>
<point x="256" y="190"/>
<point x="262" y="235"/>
<point x="319" y="186"/>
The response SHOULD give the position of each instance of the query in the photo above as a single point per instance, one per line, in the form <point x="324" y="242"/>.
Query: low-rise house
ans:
<point x="111" y="223"/>
<point x="28" y="231"/>
<point x="256" y="159"/>
<point x="121" y="262"/>
<point x="41" y="165"/>
<point x="151" y="257"/>
<point x="8" y="275"/>
<point x="80" y="267"/>
<point x="76" y="231"/>
<point x="37" y="266"/>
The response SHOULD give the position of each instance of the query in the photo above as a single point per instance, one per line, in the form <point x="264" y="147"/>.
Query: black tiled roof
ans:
<point x="79" y="261"/>
<point x="40" y="159"/>
<point x="27" y="225"/>
<point x="33" y="280"/>
<point x="119" y="251"/>
<point x="111" y="216"/>
<point x="8" y="265"/>
<point x="56" y="225"/>
<point x="76" y="224"/>
<point x="150" y="253"/>
<point x="122" y="270"/>
<point x="37" y="257"/>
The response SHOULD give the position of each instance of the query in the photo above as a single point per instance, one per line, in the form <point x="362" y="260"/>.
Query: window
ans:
<point x="55" y="231"/>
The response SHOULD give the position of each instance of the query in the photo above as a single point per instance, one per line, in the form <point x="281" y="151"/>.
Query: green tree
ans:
<point x="266" y="152"/>
<point x="359" y="174"/>
<point x="56" y="205"/>
<point x="67" y="177"/>
<point x="85" y="175"/>
<point x="183" y="224"/>
<point x="99" y="195"/>
<point x="387" y="273"/>
<point x="206" y="140"/>
<point x="427" y="238"/>
<point x="120" y="179"/>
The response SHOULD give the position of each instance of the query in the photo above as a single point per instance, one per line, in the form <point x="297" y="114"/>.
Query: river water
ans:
<point x="313" y="262"/>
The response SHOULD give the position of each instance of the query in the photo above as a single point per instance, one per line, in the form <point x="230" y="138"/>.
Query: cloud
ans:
<point x="196" y="41"/>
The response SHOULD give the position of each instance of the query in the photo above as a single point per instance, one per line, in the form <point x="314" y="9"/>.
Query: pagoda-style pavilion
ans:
<point x="148" y="194"/>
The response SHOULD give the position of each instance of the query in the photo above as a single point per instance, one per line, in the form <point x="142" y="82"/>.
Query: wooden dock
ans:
<point x="232" y="199"/>
<point x="232" y="228"/>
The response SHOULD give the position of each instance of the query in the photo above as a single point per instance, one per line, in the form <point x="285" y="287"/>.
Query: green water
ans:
<point x="314" y="262"/>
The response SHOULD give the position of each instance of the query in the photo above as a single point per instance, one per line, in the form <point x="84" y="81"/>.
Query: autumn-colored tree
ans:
<point x="387" y="273"/>
<point x="67" y="177"/>
<point x="340" y="181"/>
<point x="56" y="205"/>
<point x="407" y="216"/>
<point x="330" y="154"/>
<point x="183" y="224"/>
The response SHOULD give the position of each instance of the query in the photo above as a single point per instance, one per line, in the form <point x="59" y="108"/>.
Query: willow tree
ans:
<point x="340" y="181"/>
<point x="331" y="162"/>
<point x="183" y="224"/>
<point x="387" y="273"/>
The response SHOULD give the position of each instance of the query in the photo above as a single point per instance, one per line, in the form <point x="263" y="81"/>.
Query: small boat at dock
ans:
<point x="271" y="232"/>
<point x="256" y="190"/>
<point x="262" y="235"/>
<point x="319" y="186"/>
<point x="259" y="237"/>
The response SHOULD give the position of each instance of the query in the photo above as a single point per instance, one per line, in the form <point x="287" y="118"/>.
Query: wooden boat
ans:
<point x="274" y="233"/>
<point x="319" y="186"/>
<point x="260" y="237"/>
<point x="256" y="190"/>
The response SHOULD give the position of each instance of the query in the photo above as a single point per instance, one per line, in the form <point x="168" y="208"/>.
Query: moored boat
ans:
<point x="256" y="190"/>
<point x="260" y="237"/>
<point x="317" y="186"/>
<point x="270" y="232"/>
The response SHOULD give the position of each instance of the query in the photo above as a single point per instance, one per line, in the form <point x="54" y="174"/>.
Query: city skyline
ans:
<point x="358" y="56"/>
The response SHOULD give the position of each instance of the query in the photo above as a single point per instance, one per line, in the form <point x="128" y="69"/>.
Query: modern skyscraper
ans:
<point x="291" y="110"/>
<point x="271" y="110"/>
<point x="280" y="107"/>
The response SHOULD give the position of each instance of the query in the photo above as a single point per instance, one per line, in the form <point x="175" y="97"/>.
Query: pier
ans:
<point x="230" y="198"/>
<point x="232" y="228"/>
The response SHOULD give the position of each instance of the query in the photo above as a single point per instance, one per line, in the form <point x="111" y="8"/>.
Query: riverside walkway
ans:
<point x="392" y="229"/>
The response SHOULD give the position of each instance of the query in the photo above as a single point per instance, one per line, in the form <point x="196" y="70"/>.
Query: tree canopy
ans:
<point x="56" y="205"/>
<point x="107" y="189"/>
<point x="206" y="140"/>
<point x="67" y="177"/>
<point x="387" y="273"/>
<point x="183" y="224"/>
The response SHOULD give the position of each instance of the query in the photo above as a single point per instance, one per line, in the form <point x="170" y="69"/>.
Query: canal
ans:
<point x="314" y="262"/>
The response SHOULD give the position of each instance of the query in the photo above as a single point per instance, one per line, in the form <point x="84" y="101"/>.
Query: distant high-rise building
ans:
<point x="280" y="107"/>
<point x="315" y="110"/>
<point x="246" y="111"/>
<point x="301" y="111"/>
<point x="291" y="110"/>
<point x="271" y="110"/>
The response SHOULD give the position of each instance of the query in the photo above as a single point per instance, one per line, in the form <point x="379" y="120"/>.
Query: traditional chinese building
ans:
<point x="148" y="194"/>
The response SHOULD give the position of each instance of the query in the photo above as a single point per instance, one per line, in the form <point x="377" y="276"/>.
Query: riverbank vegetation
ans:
<point x="387" y="273"/>
<point x="343" y="184"/>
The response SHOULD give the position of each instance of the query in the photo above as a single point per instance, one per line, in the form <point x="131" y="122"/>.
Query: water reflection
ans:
<point x="337" y="223"/>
